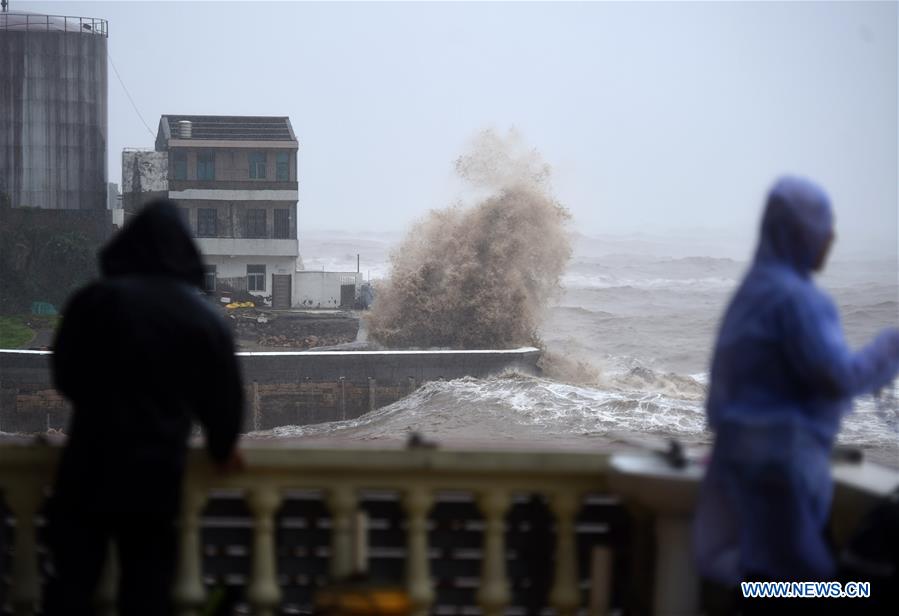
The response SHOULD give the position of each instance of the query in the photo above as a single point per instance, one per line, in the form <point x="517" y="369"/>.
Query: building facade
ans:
<point x="234" y="179"/>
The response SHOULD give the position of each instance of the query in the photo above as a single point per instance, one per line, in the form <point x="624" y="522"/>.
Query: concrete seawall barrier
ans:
<point x="282" y="388"/>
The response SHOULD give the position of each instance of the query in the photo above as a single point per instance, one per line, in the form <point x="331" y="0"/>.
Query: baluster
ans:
<point x="600" y="580"/>
<point x="676" y="581"/>
<point x="107" y="587"/>
<point x="417" y="502"/>
<point x="24" y="500"/>
<point x="564" y="595"/>
<point x="189" y="594"/>
<point x="342" y="502"/>
<point x="263" y="592"/>
<point x="493" y="595"/>
<point x="360" y="542"/>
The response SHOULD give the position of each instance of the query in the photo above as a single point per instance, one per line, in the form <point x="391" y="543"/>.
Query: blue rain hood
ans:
<point x="782" y="377"/>
<point x="797" y="226"/>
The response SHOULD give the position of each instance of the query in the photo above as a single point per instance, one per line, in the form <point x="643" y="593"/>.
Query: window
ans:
<point x="179" y="164"/>
<point x="209" y="278"/>
<point x="207" y="222"/>
<point x="282" y="224"/>
<point x="282" y="166"/>
<point x="255" y="278"/>
<point x="206" y="165"/>
<point x="255" y="226"/>
<point x="257" y="164"/>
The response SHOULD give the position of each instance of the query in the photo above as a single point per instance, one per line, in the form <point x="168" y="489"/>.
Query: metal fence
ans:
<point x="15" y="22"/>
<point x="233" y="285"/>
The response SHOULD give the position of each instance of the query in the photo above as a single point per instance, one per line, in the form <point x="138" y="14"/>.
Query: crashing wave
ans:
<point x="515" y="406"/>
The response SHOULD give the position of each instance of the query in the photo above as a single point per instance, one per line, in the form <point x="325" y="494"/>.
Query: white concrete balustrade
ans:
<point x="418" y="475"/>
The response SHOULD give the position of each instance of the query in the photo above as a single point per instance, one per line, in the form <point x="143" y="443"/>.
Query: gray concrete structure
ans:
<point x="289" y="388"/>
<point x="53" y="111"/>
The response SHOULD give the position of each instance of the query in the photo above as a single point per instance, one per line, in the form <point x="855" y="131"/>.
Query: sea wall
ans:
<point x="289" y="388"/>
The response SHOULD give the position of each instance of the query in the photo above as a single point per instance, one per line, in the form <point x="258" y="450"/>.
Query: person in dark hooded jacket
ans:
<point x="782" y="378"/>
<point x="140" y="354"/>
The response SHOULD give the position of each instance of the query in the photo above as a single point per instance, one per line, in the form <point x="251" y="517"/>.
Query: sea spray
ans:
<point x="568" y="369"/>
<point x="479" y="276"/>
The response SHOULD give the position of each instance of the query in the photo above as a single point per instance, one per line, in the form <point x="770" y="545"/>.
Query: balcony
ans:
<point x="233" y="185"/>
<point x="262" y="247"/>
<point x="652" y="499"/>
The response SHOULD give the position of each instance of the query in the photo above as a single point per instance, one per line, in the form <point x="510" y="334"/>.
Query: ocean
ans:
<point x="642" y="313"/>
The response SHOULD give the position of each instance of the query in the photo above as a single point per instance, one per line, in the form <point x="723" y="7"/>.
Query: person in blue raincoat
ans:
<point x="782" y="377"/>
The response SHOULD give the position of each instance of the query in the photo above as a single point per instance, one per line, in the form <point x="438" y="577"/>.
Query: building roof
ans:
<point x="230" y="128"/>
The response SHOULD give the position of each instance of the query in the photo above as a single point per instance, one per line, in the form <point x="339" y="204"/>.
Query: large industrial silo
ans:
<point x="53" y="111"/>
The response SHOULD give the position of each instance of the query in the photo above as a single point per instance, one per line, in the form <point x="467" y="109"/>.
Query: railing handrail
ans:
<point x="264" y="456"/>
<point x="39" y="22"/>
<point x="364" y="462"/>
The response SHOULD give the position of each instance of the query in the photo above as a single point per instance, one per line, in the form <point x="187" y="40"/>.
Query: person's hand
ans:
<point x="234" y="463"/>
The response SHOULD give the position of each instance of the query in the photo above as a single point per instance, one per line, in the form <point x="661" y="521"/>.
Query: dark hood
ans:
<point x="155" y="243"/>
<point x="796" y="226"/>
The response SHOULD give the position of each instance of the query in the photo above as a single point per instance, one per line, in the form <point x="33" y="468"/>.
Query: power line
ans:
<point x="128" y="94"/>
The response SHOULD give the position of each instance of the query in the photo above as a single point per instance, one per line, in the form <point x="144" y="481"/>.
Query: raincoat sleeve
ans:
<point x="817" y="351"/>
<point x="220" y="410"/>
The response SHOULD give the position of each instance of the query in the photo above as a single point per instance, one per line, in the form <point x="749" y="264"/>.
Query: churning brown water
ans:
<point x="480" y="276"/>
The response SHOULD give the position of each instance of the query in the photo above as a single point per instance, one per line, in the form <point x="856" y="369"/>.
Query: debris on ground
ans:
<point x="259" y="329"/>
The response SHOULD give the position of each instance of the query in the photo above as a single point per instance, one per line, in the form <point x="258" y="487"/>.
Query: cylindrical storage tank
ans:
<point x="53" y="111"/>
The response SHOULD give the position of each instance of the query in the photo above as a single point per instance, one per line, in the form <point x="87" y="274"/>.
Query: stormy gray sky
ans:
<point x="656" y="117"/>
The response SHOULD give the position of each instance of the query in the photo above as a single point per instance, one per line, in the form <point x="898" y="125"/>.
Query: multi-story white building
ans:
<point x="235" y="180"/>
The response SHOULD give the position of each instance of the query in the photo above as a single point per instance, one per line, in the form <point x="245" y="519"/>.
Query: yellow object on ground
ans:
<point x="362" y="600"/>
